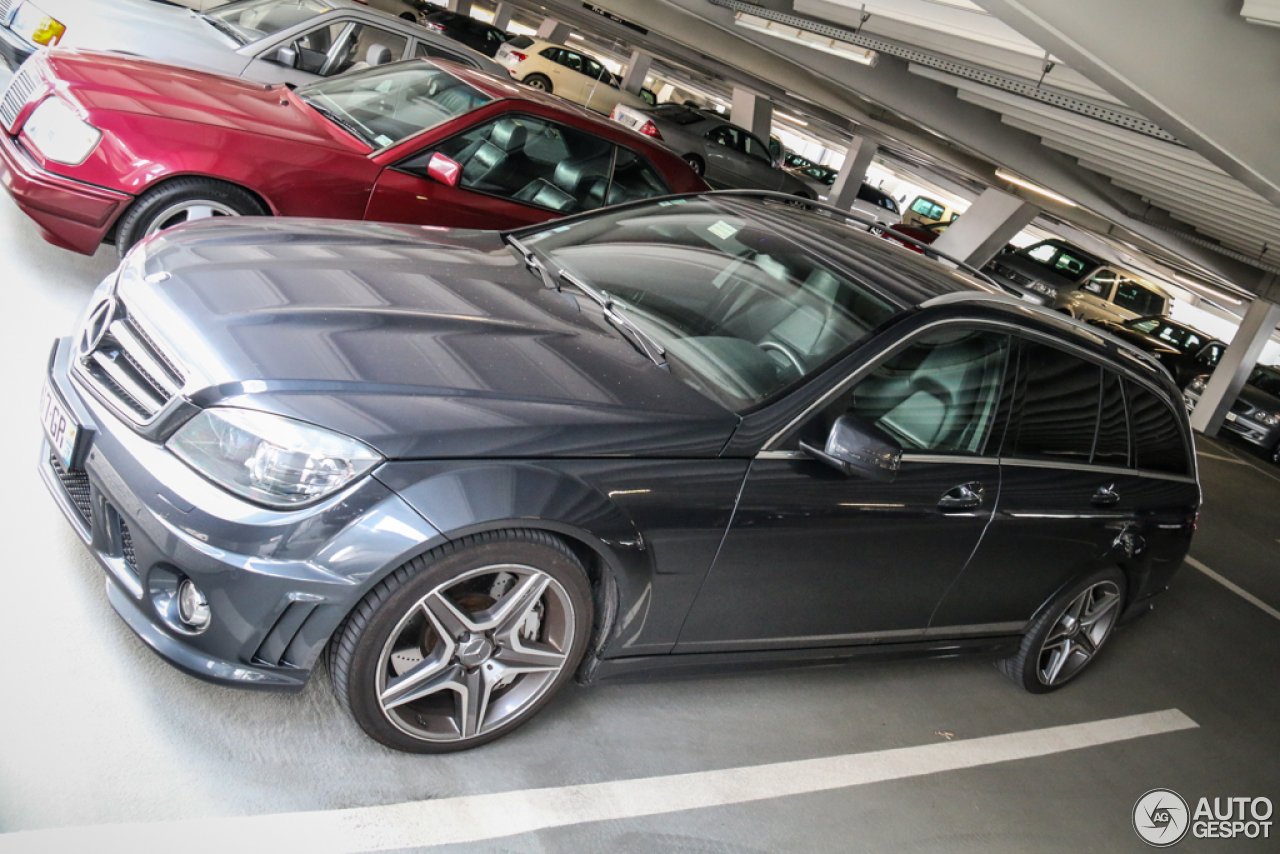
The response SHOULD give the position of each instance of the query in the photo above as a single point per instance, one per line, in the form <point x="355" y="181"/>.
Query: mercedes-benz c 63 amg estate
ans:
<point x="702" y="431"/>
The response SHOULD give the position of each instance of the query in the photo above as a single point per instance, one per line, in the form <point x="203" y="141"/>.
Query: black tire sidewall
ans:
<point x="545" y="81"/>
<point x="355" y="673"/>
<point x="136" y="220"/>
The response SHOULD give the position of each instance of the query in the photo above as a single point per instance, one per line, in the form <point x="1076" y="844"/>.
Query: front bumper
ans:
<point x="69" y="214"/>
<point x="278" y="583"/>
<point x="14" y="49"/>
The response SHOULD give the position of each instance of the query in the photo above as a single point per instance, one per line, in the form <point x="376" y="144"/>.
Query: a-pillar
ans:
<point x="551" y="30"/>
<point x="637" y="69"/>
<point x="986" y="227"/>
<point x="462" y="7"/>
<point x="1242" y="355"/>
<point x="753" y="112"/>
<point x="502" y="15"/>
<point x="857" y="159"/>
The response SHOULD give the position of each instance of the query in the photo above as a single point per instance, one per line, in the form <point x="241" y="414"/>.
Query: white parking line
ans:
<point x="1233" y="587"/>
<point x="1224" y="459"/>
<point x="481" y="817"/>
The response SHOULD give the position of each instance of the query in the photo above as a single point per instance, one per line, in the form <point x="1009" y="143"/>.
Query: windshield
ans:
<point x="1266" y="379"/>
<point x="251" y="20"/>
<point x="741" y="310"/>
<point x="820" y="173"/>
<point x="389" y="103"/>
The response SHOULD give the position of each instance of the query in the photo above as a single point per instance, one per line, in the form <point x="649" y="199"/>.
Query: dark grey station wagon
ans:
<point x="702" y="432"/>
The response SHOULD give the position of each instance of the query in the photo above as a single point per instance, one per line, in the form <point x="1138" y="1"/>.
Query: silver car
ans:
<point x="727" y="156"/>
<point x="272" y="41"/>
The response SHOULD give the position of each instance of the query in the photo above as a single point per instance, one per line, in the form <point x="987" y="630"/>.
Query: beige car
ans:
<point x="1113" y="294"/>
<point x="565" y="71"/>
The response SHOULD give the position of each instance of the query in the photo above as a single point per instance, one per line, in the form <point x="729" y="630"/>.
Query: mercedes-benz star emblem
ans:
<point x="95" y="329"/>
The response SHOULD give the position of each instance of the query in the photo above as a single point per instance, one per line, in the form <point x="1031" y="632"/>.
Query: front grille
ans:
<point x="20" y="90"/>
<point x="1012" y="275"/>
<point x="127" y="366"/>
<point x="126" y="547"/>
<point x="76" y="484"/>
<point x="1242" y="407"/>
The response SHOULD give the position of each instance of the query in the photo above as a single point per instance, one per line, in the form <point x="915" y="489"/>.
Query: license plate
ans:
<point x="60" y="428"/>
<point x="628" y="120"/>
<point x="1231" y="416"/>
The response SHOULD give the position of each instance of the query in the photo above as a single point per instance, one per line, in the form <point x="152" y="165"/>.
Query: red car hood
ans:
<point x="125" y="84"/>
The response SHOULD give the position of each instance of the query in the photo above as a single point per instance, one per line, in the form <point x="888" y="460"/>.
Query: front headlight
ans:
<point x="1265" y="418"/>
<point x="269" y="458"/>
<point x="59" y="134"/>
<point x="35" y="26"/>
<point x="1197" y="385"/>
<point x="1041" y="288"/>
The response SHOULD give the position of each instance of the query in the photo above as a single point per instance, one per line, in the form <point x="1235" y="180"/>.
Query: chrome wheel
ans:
<point x="187" y="211"/>
<point x="1079" y="633"/>
<point x="475" y="652"/>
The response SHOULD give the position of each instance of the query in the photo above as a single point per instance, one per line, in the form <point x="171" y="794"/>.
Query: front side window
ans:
<point x="571" y="60"/>
<point x="1134" y="297"/>
<point x="366" y="47"/>
<point x="756" y="148"/>
<point x="726" y="135"/>
<point x="314" y="48"/>
<point x="1059" y="413"/>
<point x="1157" y="441"/>
<point x="741" y="309"/>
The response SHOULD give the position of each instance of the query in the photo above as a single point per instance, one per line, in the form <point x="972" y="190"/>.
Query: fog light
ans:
<point x="192" y="607"/>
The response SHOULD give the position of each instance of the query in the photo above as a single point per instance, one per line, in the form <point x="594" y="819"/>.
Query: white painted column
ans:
<point x="502" y="15"/>
<point x="857" y="159"/>
<point x="633" y="80"/>
<point x="753" y="112"/>
<point x="665" y="93"/>
<point x="462" y="7"/>
<point x="1242" y="355"/>
<point x="989" y="223"/>
<point x="553" y="31"/>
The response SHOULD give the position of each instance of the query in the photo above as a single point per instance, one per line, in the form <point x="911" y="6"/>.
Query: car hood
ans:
<point x="1140" y="339"/>
<point x="1033" y="270"/>
<point x="105" y="82"/>
<point x="424" y="343"/>
<point x="167" y="33"/>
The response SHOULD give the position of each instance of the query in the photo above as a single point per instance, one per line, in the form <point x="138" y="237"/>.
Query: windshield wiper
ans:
<point x="224" y="28"/>
<point x="338" y="120"/>
<point x="533" y="262"/>
<point x="616" y="315"/>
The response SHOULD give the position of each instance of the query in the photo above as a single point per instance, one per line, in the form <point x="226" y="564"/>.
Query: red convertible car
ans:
<point x="100" y="146"/>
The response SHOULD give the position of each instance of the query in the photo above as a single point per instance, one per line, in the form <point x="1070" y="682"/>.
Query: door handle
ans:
<point x="966" y="496"/>
<point x="1106" y="496"/>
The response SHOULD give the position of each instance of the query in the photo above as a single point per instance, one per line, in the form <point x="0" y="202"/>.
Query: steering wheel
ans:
<point x="787" y="353"/>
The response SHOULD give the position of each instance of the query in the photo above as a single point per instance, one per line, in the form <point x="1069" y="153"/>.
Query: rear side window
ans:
<point x="1060" y="406"/>
<point x="1157" y="441"/>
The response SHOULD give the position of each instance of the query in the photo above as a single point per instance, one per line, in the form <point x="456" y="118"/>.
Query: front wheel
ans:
<point x="461" y="646"/>
<point x="1069" y="634"/>
<point x="538" y="81"/>
<point x="179" y="201"/>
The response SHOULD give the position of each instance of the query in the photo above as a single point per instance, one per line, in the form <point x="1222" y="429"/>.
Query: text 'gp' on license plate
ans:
<point x="60" y="428"/>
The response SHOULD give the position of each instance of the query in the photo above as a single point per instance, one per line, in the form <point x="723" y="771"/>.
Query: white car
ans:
<point x="270" y="41"/>
<point x="565" y="71"/>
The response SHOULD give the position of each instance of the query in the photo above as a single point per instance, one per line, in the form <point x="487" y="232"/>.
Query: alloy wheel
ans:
<point x="187" y="211"/>
<point x="475" y="652"/>
<point x="1079" y="633"/>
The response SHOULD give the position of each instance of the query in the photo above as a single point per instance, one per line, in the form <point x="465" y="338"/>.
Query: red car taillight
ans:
<point x="650" y="129"/>
<point x="519" y="57"/>
<point x="432" y="25"/>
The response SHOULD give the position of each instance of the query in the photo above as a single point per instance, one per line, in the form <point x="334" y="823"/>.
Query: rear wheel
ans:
<point x="179" y="201"/>
<point x="1069" y="634"/>
<point x="696" y="164"/>
<point x="463" y="645"/>
<point x="538" y="81"/>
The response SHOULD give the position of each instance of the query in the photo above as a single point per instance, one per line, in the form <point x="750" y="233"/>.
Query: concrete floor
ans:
<point x="95" y="730"/>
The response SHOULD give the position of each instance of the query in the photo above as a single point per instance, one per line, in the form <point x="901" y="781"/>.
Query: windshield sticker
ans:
<point x="672" y="202"/>
<point x="723" y="230"/>
<point x="383" y="140"/>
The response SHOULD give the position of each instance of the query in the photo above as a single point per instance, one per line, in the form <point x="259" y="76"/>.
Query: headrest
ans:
<point x="508" y="135"/>
<point x="571" y="173"/>
<point x="378" y="54"/>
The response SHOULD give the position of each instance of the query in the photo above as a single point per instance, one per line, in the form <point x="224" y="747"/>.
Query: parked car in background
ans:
<point x="462" y="462"/>
<point x="107" y="147"/>
<point x="565" y="71"/>
<point x="271" y="41"/>
<point x="923" y="233"/>
<point x="1185" y="351"/>
<point x="926" y="211"/>
<point x="1255" y="414"/>
<point x="791" y="160"/>
<point x="409" y="10"/>
<point x="477" y="35"/>
<point x="728" y="156"/>
<point x="875" y="202"/>
<point x="1115" y="295"/>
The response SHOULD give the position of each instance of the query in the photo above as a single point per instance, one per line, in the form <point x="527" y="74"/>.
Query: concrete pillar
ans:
<point x="753" y="112"/>
<point x="462" y="7"/>
<point x="989" y="223"/>
<point x="553" y="31"/>
<point x="665" y="93"/>
<point x="857" y="159"/>
<point x="1239" y="360"/>
<point x="502" y="15"/>
<point x="633" y="80"/>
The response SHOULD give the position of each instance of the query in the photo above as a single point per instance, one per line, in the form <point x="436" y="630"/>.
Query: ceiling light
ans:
<point x="1022" y="182"/>
<point x="808" y="38"/>
<point x="792" y="119"/>
<point x="1207" y="291"/>
<point x="576" y="36"/>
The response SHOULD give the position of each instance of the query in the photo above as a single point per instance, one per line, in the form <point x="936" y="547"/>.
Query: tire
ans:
<point x="695" y="163"/>
<point x="538" y="81"/>
<point x="1069" y="634"/>
<point x="433" y="634"/>
<point x="181" y="200"/>
<point x="409" y="16"/>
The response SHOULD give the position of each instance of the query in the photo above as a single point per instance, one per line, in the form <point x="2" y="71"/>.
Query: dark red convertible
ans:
<point x="101" y="147"/>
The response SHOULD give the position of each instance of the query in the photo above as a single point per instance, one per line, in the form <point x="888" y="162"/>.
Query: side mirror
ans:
<point x="444" y="169"/>
<point x="857" y="448"/>
<point x="286" y="55"/>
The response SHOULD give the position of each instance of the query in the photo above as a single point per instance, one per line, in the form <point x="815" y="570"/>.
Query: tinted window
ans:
<point x="1043" y="252"/>
<point x="1211" y="355"/>
<point x="1133" y="297"/>
<point x="1145" y="325"/>
<point x="596" y="70"/>
<point x="571" y="60"/>
<point x="927" y="208"/>
<point x="1112" y="448"/>
<point x="755" y="148"/>
<point x="938" y="395"/>
<point x="519" y="41"/>
<point x="1267" y="379"/>
<point x="870" y="194"/>
<point x="1093" y="286"/>
<point x="822" y="174"/>
<point x="1071" y="264"/>
<point x="725" y="135"/>
<point x="1157" y="441"/>
<point x="1060" y="405"/>
<point x="633" y="178"/>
